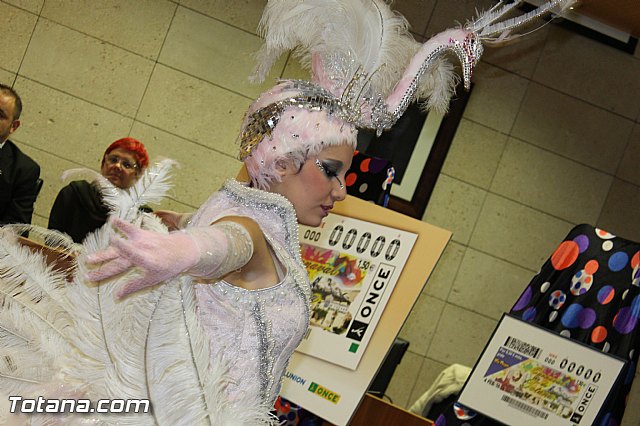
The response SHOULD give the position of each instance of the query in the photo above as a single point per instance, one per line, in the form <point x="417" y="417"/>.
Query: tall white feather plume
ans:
<point x="149" y="189"/>
<point x="110" y="193"/>
<point x="352" y="35"/>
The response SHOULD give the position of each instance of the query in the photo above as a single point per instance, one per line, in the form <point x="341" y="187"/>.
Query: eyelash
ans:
<point x="330" y="173"/>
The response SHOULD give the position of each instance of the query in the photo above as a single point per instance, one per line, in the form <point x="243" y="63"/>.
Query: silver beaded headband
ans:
<point x="311" y="97"/>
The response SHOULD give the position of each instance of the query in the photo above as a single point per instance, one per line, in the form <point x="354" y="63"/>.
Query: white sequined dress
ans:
<point x="256" y="331"/>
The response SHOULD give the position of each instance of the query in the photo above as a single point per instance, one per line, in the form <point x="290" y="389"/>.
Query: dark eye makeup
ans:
<point x="331" y="170"/>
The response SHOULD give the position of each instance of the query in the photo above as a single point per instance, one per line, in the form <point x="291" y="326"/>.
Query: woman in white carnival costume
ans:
<point x="202" y="321"/>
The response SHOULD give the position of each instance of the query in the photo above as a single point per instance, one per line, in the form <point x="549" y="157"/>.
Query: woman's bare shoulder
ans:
<point x="252" y="227"/>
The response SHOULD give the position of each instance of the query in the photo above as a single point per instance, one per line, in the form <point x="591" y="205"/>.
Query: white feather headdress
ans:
<point x="365" y="66"/>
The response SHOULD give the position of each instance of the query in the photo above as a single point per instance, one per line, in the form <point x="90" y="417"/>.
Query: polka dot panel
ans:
<point x="368" y="178"/>
<point x="588" y="291"/>
<point x="581" y="282"/>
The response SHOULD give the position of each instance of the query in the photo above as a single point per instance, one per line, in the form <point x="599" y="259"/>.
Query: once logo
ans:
<point x="324" y="393"/>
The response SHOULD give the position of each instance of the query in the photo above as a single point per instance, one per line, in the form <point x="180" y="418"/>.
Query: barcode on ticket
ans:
<point x="522" y="347"/>
<point x="525" y="408"/>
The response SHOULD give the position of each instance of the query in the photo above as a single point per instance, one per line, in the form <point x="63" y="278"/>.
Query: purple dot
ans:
<point x="582" y="241"/>
<point x="586" y="318"/>
<point x="440" y="421"/>
<point x="625" y="321"/>
<point x="377" y="164"/>
<point x="618" y="260"/>
<point x="524" y="300"/>
<point x="571" y="317"/>
<point x="530" y="314"/>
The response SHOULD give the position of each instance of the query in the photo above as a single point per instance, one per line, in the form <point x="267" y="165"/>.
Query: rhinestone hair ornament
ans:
<point x="366" y="68"/>
<point x="311" y="97"/>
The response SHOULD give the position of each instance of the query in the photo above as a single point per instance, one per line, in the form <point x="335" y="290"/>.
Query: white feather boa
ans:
<point x="64" y="339"/>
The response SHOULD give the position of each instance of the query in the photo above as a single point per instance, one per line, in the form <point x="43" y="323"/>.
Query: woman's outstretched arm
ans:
<point x="203" y="252"/>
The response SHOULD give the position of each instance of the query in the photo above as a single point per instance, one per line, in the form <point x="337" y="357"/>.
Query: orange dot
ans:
<point x="591" y="267"/>
<point x="598" y="334"/>
<point x="587" y="280"/>
<point x="635" y="260"/>
<point x="351" y="179"/>
<point x="364" y="166"/>
<point x="565" y="255"/>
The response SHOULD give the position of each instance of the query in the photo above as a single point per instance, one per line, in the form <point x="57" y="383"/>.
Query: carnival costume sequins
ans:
<point x="255" y="332"/>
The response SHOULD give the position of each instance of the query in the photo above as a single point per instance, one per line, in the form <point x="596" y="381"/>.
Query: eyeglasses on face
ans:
<point x="113" y="159"/>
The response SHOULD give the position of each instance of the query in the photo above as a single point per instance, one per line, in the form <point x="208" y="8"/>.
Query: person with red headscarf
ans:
<point x="78" y="208"/>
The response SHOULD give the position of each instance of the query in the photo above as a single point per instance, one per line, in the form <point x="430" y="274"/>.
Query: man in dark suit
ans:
<point x="18" y="173"/>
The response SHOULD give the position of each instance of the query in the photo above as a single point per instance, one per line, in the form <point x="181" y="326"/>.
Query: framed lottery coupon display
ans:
<point x="367" y="266"/>
<point x="353" y="266"/>
<point x="530" y="376"/>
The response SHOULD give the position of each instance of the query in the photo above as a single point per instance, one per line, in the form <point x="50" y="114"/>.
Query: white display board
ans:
<point x="529" y="376"/>
<point x="353" y="266"/>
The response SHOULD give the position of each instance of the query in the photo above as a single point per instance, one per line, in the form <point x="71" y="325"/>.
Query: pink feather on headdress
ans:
<point x="366" y="69"/>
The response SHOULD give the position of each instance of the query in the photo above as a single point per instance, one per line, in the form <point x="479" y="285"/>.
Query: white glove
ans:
<point x="173" y="220"/>
<point x="206" y="252"/>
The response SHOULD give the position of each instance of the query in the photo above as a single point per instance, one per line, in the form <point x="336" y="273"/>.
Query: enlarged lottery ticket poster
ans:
<point x="353" y="267"/>
<point x="531" y="376"/>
